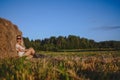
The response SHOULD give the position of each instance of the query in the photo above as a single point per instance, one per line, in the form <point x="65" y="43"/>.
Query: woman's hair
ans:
<point x="18" y="37"/>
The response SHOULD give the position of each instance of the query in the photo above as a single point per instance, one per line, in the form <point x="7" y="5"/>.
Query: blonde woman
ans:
<point x="21" y="50"/>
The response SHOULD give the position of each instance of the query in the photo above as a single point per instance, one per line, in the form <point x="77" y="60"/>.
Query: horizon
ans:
<point x="67" y="37"/>
<point x="98" y="20"/>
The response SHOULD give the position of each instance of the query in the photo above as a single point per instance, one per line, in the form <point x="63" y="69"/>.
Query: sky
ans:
<point x="39" y="19"/>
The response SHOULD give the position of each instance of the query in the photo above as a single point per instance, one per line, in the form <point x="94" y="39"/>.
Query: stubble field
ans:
<point x="99" y="65"/>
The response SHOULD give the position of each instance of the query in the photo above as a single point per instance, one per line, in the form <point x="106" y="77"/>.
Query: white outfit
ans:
<point x="20" y="53"/>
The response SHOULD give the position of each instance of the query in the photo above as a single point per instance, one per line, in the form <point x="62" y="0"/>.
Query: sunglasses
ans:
<point x="18" y="38"/>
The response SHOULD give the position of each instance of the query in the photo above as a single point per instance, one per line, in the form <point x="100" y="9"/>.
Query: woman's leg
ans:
<point x="30" y="51"/>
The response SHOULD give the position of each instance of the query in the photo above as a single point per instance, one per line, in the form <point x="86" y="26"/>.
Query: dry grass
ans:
<point x="63" y="66"/>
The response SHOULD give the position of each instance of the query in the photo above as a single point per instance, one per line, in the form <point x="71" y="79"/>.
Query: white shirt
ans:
<point x="20" y="53"/>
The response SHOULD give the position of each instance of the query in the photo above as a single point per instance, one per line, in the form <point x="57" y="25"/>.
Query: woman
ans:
<point x="21" y="48"/>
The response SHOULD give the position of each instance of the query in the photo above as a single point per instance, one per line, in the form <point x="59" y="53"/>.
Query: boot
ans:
<point x="39" y="56"/>
<point x="36" y="55"/>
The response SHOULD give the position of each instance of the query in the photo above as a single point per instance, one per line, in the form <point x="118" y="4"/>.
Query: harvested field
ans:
<point x="63" y="66"/>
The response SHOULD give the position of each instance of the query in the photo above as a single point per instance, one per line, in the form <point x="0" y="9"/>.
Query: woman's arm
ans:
<point x="21" y="50"/>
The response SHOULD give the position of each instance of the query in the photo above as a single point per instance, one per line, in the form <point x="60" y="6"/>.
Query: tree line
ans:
<point x="70" y="42"/>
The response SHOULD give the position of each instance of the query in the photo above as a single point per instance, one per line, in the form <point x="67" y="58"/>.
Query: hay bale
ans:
<point x="8" y="33"/>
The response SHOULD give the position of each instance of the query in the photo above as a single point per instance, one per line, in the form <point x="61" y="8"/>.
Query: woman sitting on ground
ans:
<point x="21" y="50"/>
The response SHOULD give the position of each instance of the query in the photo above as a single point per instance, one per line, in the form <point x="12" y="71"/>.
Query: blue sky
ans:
<point x="38" y="19"/>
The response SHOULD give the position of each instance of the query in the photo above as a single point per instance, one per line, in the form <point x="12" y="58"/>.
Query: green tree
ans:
<point x="27" y="42"/>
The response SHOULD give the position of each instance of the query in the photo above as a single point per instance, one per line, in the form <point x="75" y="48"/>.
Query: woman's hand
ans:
<point x="26" y="50"/>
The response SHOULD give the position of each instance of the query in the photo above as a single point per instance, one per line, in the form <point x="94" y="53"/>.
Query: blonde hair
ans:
<point x="22" y="42"/>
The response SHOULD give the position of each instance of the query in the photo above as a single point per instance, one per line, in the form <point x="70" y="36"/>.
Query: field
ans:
<point x="97" y="65"/>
